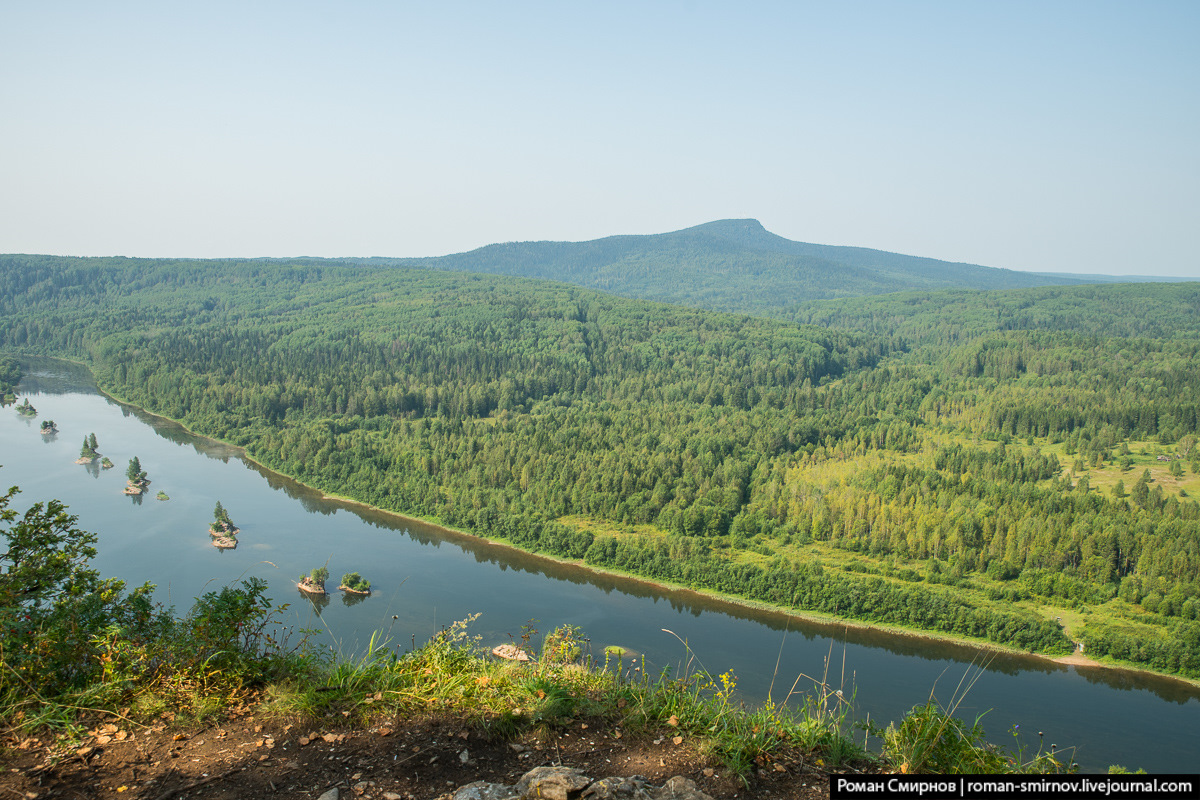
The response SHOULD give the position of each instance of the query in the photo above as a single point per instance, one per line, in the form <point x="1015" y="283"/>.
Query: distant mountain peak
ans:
<point x="728" y="265"/>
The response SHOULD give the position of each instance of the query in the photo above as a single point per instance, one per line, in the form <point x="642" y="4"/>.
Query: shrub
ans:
<point x="54" y="609"/>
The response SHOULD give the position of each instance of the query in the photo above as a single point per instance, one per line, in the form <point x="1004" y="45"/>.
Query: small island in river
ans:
<point x="137" y="479"/>
<point x="88" y="453"/>
<point x="314" y="582"/>
<point x="222" y="529"/>
<point x="48" y="427"/>
<point x="353" y="583"/>
<point x="27" y="409"/>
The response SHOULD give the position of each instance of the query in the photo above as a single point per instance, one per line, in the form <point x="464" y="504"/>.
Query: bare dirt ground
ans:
<point x="240" y="756"/>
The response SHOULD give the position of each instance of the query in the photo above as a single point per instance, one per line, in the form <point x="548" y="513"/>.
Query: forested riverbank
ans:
<point x="964" y="487"/>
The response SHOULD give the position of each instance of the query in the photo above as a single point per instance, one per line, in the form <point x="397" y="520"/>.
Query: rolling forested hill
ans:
<point x="977" y="463"/>
<point x="728" y="265"/>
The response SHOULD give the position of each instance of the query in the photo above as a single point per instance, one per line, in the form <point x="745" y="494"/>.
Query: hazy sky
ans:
<point x="1052" y="136"/>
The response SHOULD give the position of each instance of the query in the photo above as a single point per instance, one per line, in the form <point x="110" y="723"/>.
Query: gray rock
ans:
<point x="679" y="788"/>
<point x="482" y="790"/>
<point x="632" y="788"/>
<point x="332" y="794"/>
<point x="551" y="783"/>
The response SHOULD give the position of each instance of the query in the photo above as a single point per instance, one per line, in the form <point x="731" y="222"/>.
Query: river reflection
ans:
<point x="424" y="578"/>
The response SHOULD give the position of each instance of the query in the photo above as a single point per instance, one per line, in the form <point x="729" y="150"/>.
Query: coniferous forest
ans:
<point x="977" y="463"/>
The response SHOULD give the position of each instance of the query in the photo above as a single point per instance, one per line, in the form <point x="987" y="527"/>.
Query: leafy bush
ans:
<point x="67" y="635"/>
<point x="54" y="608"/>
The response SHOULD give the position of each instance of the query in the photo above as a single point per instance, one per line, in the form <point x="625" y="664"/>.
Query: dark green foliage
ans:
<point x="135" y="473"/>
<point x="88" y="450"/>
<point x="10" y="374"/>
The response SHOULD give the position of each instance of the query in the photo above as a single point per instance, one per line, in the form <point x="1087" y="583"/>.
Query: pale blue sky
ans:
<point x="1041" y="136"/>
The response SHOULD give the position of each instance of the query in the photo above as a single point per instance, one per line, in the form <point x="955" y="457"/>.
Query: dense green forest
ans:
<point x="976" y="463"/>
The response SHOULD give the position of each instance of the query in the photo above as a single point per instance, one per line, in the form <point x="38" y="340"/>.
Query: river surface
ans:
<point x="425" y="578"/>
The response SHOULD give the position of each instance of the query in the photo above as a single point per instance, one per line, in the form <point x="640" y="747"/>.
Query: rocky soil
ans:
<point x="238" y="755"/>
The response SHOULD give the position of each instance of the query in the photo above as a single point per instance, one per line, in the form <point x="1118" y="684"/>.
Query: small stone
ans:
<point x="633" y="788"/>
<point x="332" y="794"/>
<point x="464" y="756"/>
<point x="392" y="796"/>
<point x="482" y="790"/>
<point x="679" y="788"/>
<point x="677" y="740"/>
<point x="517" y="747"/>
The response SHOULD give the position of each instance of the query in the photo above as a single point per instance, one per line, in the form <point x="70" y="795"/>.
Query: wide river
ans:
<point x="425" y="579"/>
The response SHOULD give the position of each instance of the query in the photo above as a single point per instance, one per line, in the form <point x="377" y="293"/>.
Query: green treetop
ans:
<point x="135" y="473"/>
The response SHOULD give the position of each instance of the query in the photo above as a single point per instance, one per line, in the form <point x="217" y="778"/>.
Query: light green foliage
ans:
<point x="930" y="740"/>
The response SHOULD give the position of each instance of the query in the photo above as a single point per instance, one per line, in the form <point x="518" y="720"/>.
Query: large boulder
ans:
<point x="551" y="783"/>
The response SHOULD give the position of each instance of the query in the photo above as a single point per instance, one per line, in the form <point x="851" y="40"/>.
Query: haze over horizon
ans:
<point x="1023" y="136"/>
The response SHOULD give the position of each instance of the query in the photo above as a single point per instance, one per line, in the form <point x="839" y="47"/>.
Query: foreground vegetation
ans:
<point x="945" y="462"/>
<point x="73" y="644"/>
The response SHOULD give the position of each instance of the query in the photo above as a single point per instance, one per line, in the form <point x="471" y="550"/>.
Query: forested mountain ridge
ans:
<point x="727" y="265"/>
<point x="974" y="485"/>
<point x="947" y="317"/>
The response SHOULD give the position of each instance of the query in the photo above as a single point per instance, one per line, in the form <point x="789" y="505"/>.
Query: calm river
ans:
<point x="425" y="579"/>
